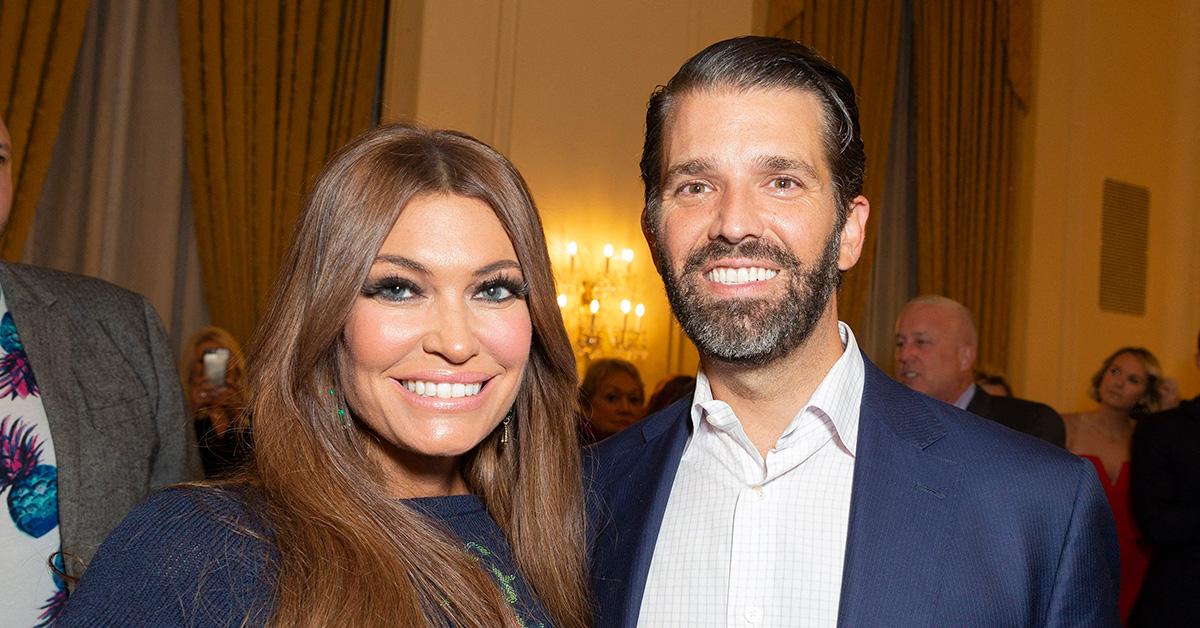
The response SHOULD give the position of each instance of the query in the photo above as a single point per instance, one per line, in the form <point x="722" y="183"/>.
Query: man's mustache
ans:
<point x="750" y="249"/>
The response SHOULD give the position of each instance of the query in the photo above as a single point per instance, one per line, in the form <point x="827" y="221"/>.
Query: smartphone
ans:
<point x="216" y="361"/>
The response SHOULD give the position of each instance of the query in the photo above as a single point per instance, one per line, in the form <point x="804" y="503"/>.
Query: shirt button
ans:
<point x="759" y="492"/>
<point x="754" y="614"/>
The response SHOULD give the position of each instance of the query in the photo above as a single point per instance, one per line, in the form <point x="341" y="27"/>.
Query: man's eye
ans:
<point x="694" y="187"/>
<point x="784" y="183"/>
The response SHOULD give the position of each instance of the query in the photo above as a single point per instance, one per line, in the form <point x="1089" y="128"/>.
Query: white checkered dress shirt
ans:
<point x="753" y="542"/>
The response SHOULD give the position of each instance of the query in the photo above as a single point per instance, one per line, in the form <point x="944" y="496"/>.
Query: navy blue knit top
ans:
<point x="177" y="560"/>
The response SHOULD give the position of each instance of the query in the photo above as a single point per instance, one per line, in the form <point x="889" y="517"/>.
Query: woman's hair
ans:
<point x="217" y="335"/>
<point x="1151" y="398"/>
<point x="597" y="372"/>
<point x="349" y="553"/>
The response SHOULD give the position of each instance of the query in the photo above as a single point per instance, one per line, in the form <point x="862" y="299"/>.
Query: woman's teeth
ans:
<point x="735" y="276"/>
<point x="442" y="390"/>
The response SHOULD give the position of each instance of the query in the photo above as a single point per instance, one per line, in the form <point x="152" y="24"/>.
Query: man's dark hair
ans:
<point x="749" y="63"/>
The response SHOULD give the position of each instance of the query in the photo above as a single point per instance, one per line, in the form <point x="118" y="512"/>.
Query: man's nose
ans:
<point x="738" y="215"/>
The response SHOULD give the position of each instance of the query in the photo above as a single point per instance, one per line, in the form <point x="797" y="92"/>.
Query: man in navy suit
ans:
<point x="800" y="486"/>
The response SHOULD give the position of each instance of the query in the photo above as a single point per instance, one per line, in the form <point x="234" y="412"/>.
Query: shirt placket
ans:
<point x="750" y="558"/>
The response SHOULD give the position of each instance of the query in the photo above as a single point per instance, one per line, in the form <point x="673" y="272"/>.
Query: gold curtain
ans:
<point x="862" y="38"/>
<point x="271" y="89"/>
<point x="39" y="41"/>
<point x="964" y="73"/>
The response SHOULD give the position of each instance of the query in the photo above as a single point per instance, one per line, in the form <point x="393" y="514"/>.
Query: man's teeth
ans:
<point x="735" y="276"/>
<point x="908" y="374"/>
<point x="442" y="390"/>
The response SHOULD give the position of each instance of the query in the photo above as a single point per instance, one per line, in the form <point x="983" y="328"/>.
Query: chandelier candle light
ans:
<point x="596" y="306"/>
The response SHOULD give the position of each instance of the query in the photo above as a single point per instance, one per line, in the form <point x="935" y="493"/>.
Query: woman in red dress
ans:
<point x="1126" y="388"/>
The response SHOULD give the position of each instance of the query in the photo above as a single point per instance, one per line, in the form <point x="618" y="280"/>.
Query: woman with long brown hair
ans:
<point x="412" y="393"/>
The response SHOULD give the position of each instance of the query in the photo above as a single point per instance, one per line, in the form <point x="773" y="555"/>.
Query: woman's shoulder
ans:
<point x="192" y="555"/>
<point x="191" y="518"/>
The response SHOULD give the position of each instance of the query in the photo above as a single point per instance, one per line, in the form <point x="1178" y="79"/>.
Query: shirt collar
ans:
<point x="964" y="399"/>
<point x="838" y="396"/>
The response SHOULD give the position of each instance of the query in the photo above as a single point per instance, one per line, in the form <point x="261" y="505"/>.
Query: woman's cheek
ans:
<point x="508" y="334"/>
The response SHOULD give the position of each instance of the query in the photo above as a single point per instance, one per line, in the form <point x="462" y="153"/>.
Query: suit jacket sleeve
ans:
<point x="177" y="459"/>
<point x="1085" y="584"/>
<point x="1164" y="515"/>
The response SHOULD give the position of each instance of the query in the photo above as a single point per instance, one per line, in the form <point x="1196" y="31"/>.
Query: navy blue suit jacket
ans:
<point x="954" y="520"/>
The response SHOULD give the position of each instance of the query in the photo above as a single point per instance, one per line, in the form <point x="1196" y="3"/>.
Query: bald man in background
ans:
<point x="936" y="346"/>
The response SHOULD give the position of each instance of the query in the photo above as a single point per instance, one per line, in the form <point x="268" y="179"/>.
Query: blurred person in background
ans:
<point x="213" y="373"/>
<point x="670" y="389"/>
<point x="610" y="398"/>
<point x="936" y="348"/>
<point x="1164" y="471"/>
<point x="995" y="385"/>
<point x="1126" y="389"/>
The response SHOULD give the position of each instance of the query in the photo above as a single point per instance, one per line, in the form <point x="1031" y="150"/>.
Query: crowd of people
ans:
<point x="401" y="444"/>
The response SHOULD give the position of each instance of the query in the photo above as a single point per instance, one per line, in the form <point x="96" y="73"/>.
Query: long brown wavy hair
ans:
<point x="348" y="552"/>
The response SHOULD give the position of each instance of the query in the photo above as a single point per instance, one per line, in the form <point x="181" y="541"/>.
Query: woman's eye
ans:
<point x="397" y="293"/>
<point x="391" y="290"/>
<point x="502" y="290"/>
<point x="496" y="293"/>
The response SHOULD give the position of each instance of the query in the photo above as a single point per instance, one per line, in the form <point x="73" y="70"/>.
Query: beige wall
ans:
<point x="561" y="87"/>
<point x="1117" y="87"/>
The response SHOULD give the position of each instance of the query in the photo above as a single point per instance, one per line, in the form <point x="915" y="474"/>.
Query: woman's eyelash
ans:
<point x="514" y="288"/>
<point x="386" y="285"/>
<point x="517" y="288"/>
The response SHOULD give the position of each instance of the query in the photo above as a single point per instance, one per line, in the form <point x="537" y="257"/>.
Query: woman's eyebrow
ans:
<point x="495" y="266"/>
<point x="400" y="260"/>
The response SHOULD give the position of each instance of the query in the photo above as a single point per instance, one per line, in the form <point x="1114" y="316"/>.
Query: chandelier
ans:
<point x="600" y="308"/>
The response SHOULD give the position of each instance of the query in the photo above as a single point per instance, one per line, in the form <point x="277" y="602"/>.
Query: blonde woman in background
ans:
<point x="1126" y="388"/>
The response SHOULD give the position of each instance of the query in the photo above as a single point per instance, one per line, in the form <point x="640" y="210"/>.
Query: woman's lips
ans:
<point x="445" y="393"/>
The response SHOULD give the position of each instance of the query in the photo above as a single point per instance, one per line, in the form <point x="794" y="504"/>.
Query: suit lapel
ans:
<point x="44" y="330"/>
<point x="629" y="523"/>
<point x="902" y="511"/>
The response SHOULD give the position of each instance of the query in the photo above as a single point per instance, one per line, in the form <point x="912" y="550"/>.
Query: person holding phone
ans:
<point x="413" y="395"/>
<point x="213" y="378"/>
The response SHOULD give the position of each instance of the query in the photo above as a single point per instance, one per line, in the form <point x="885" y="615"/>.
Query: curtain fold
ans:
<point x="114" y="203"/>
<point x="862" y="38"/>
<point x="39" y="42"/>
<point x="270" y="90"/>
<point x="965" y="108"/>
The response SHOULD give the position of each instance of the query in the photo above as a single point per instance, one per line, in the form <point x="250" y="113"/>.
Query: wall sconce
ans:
<point x="598" y="306"/>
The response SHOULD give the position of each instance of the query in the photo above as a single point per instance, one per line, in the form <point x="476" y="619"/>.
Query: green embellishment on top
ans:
<point x="482" y="554"/>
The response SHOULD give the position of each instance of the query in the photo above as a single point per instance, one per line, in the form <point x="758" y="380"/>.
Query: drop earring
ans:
<point x="507" y="421"/>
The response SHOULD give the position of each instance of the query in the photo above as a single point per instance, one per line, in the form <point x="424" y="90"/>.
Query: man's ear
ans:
<point x="650" y="233"/>
<point x="966" y="358"/>
<point x="854" y="233"/>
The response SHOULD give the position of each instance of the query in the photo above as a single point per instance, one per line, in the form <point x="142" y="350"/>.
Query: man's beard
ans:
<point x="751" y="331"/>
